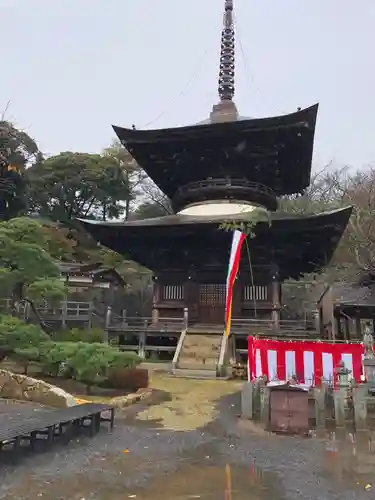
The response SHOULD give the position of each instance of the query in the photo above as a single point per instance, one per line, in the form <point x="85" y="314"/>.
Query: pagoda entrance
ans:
<point x="212" y="303"/>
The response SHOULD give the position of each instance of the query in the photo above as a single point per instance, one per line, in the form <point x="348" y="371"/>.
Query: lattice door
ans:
<point x="211" y="303"/>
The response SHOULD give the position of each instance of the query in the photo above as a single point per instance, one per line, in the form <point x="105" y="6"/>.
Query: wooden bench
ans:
<point x="54" y="423"/>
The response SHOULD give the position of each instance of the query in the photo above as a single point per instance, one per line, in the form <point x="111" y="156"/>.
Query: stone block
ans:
<point x="247" y="400"/>
<point x="265" y="406"/>
<point x="23" y="388"/>
<point x="360" y="396"/>
<point x="339" y="401"/>
<point x="320" y="406"/>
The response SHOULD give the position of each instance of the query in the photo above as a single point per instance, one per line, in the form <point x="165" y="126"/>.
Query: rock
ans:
<point x="124" y="401"/>
<point x="23" y="388"/>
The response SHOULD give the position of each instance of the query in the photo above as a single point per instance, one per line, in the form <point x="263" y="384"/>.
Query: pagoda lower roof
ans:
<point x="276" y="152"/>
<point x="296" y="244"/>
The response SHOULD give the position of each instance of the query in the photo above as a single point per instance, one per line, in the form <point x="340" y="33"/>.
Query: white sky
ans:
<point x="72" y="68"/>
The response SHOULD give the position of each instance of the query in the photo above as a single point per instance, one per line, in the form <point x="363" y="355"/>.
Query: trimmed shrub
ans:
<point x="16" y="334"/>
<point x="130" y="379"/>
<point x="92" y="336"/>
<point x="21" y="341"/>
<point x="88" y="362"/>
<point x="92" y="363"/>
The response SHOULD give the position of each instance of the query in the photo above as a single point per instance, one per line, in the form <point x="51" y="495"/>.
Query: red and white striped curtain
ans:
<point x="310" y="362"/>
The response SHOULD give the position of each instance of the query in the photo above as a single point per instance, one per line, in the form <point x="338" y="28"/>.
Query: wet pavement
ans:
<point x="225" y="459"/>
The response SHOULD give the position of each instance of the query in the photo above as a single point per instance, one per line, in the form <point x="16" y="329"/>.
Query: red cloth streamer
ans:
<point x="308" y="361"/>
<point x="234" y="263"/>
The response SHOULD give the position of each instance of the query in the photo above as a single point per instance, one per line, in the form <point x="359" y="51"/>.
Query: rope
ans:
<point x="249" y="73"/>
<point x="251" y="277"/>
<point x="183" y="91"/>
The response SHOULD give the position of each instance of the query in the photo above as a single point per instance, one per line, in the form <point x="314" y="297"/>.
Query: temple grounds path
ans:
<point x="190" y="444"/>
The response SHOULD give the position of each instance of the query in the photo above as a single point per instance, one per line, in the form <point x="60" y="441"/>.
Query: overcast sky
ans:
<point x="71" y="68"/>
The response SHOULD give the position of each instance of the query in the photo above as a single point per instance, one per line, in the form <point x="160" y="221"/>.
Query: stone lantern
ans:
<point x="369" y="357"/>
<point x="343" y="374"/>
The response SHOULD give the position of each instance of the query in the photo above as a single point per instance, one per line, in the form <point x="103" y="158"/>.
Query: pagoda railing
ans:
<point x="65" y="310"/>
<point x="116" y="324"/>
<point x="280" y="329"/>
<point x="223" y="189"/>
<point x="264" y="325"/>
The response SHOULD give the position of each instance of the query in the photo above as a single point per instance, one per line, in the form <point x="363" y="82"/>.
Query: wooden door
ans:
<point x="212" y="303"/>
<point x="289" y="411"/>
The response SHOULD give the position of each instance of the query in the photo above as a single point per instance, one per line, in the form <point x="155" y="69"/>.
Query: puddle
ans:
<point x="351" y="458"/>
<point x="228" y="481"/>
<point x="188" y="481"/>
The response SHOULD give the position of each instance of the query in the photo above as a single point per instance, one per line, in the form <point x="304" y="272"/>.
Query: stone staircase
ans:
<point x="199" y="355"/>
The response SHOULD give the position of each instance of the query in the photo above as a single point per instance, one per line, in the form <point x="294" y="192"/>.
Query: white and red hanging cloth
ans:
<point x="310" y="362"/>
<point x="234" y="263"/>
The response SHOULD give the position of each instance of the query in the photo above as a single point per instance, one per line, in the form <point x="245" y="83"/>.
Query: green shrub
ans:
<point x="21" y="341"/>
<point x="54" y="358"/>
<point x="26" y="355"/>
<point x="79" y="335"/>
<point x="89" y="362"/>
<point x="96" y="335"/>
<point x="92" y="363"/>
<point x="16" y="334"/>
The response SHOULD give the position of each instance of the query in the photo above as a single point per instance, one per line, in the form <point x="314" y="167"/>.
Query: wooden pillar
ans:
<point x="347" y="329"/>
<point x="108" y="317"/>
<point x="64" y="313"/>
<point x="89" y="323"/>
<point x="156" y="295"/>
<point x="358" y="329"/>
<point x="191" y="294"/>
<point x="154" y="315"/>
<point x="142" y="343"/>
<point x="276" y="304"/>
<point x="107" y="324"/>
<point x="237" y="299"/>
<point x="338" y="326"/>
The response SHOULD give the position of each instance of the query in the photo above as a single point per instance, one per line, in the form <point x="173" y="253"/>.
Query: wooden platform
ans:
<point x="51" y="424"/>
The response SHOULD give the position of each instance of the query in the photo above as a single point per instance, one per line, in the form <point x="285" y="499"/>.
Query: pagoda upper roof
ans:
<point x="276" y="152"/>
<point x="297" y="244"/>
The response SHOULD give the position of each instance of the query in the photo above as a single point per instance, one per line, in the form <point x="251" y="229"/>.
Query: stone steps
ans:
<point x="199" y="355"/>
<point x="191" y="365"/>
<point x="195" y="374"/>
<point x="200" y="348"/>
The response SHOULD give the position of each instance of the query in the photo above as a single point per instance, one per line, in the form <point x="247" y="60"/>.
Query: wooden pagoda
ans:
<point x="217" y="170"/>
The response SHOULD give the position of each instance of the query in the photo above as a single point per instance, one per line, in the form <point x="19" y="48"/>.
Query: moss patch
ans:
<point x="192" y="404"/>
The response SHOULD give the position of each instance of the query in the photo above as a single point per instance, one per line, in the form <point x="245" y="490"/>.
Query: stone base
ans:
<point x="369" y="369"/>
<point x="23" y="388"/>
<point x="225" y="111"/>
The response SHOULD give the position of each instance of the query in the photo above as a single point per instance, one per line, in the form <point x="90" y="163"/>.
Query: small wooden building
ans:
<point x="91" y="281"/>
<point x="345" y="309"/>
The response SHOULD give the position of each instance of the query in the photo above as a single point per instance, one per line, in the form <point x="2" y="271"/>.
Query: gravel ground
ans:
<point x="144" y="460"/>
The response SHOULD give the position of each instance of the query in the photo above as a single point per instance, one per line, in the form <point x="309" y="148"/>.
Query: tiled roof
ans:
<point x="353" y="294"/>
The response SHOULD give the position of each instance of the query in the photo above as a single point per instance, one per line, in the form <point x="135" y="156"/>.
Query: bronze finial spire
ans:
<point x="226" y="110"/>
<point x="227" y="55"/>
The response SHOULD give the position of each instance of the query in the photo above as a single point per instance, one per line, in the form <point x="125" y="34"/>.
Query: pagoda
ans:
<point x="218" y="170"/>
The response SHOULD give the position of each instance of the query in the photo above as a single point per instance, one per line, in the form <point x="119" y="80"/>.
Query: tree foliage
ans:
<point x="21" y="341"/>
<point x="78" y="185"/>
<point x="88" y="362"/>
<point x="17" y="151"/>
<point x="28" y="271"/>
<point x="109" y="185"/>
<point x="127" y="171"/>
